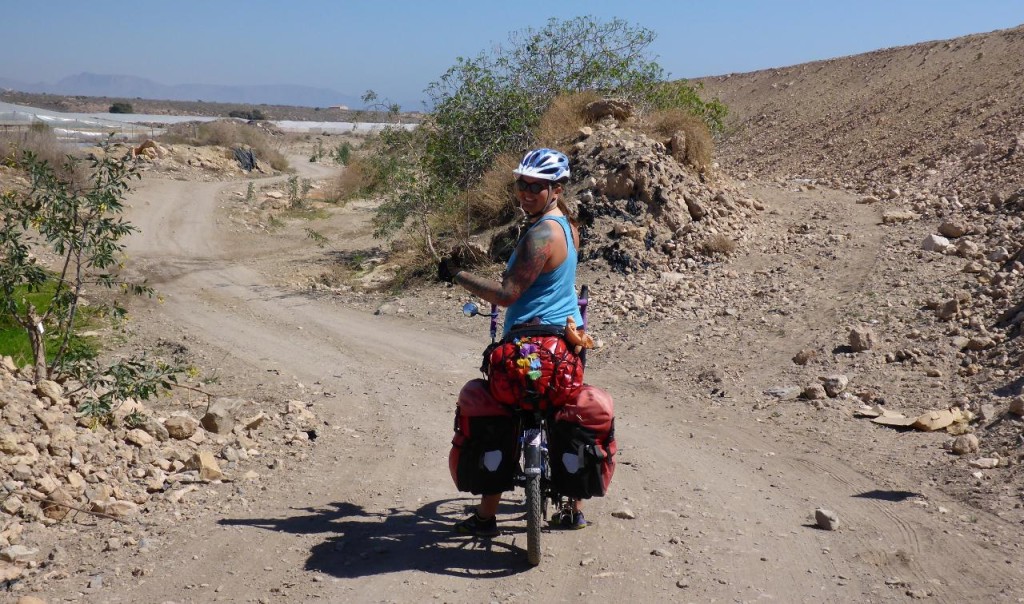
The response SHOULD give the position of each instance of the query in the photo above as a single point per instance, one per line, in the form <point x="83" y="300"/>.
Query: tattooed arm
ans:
<point x="533" y="255"/>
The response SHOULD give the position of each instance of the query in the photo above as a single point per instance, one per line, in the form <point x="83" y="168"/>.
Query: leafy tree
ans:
<point x="489" y="105"/>
<point x="83" y="226"/>
<point x="121" y="107"/>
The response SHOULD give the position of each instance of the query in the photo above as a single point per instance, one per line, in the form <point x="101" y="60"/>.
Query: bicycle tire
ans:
<point x="534" y="511"/>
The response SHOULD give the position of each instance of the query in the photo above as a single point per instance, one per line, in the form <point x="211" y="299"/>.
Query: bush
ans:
<point x="491" y="202"/>
<point x="564" y="118"/>
<point x="343" y="153"/>
<point x="121" y="108"/>
<point x="680" y="126"/>
<point x="718" y="244"/>
<point x="40" y="140"/>
<point x="353" y="181"/>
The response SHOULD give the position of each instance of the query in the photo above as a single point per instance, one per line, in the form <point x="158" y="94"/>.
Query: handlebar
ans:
<point x="470" y="309"/>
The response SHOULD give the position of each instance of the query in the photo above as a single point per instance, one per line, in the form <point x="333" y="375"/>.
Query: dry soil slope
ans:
<point x="889" y="113"/>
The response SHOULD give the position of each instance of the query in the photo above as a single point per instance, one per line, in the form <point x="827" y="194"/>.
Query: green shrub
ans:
<point x="121" y="107"/>
<point x="343" y="153"/>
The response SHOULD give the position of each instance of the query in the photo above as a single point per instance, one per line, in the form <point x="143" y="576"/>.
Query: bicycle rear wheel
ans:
<point x="534" y="514"/>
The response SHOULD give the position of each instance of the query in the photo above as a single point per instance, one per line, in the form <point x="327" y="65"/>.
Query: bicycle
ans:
<point x="534" y="474"/>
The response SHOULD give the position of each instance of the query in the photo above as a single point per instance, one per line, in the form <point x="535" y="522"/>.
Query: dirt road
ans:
<point x="723" y="497"/>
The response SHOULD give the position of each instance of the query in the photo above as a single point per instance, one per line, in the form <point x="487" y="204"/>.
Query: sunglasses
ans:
<point x="533" y="187"/>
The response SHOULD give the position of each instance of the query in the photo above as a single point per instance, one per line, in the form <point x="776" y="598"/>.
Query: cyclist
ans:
<point x="538" y="285"/>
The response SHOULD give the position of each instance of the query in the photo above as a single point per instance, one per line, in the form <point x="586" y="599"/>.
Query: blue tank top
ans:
<point x="552" y="296"/>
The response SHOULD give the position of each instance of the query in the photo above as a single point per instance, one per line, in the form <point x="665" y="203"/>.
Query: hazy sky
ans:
<point x="397" y="47"/>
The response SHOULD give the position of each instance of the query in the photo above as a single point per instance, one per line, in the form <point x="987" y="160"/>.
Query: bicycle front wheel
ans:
<point x="534" y="513"/>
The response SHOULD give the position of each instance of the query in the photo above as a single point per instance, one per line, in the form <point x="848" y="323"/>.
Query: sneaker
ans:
<point x="569" y="519"/>
<point x="577" y="521"/>
<point x="478" y="527"/>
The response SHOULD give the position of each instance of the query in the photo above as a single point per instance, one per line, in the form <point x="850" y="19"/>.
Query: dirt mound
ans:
<point x="186" y="162"/>
<point x="643" y="210"/>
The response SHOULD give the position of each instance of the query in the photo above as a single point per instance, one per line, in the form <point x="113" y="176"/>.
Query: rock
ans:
<point x="181" y="427"/>
<point x="897" y="216"/>
<point x="965" y="443"/>
<point x="935" y="243"/>
<point x="935" y="420"/>
<point x="8" y="364"/>
<point x="206" y="464"/>
<point x="220" y="418"/>
<point x="835" y="384"/>
<point x="51" y="390"/>
<point x="984" y="463"/>
<point x="1000" y="254"/>
<point x="619" y="109"/>
<point x="862" y="338"/>
<point x="11" y="505"/>
<point x="10" y="573"/>
<point x="116" y="508"/>
<point x="30" y="600"/>
<point x="826" y="519"/>
<point x="695" y="208"/>
<point x="948" y="310"/>
<point x="18" y="553"/>
<point x="55" y="508"/>
<point x="1017" y="406"/>
<point x="625" y="514"/>
<point x="980" y="343"/>
<point x="255" y="421"/>
<point x="661" y="553"/>
<point x="814" y="392"/>
<point x="952" y="229"/>
<point x="785" y="393"/>
<point x="139" y="437"/>
<point x="804" y="356"/>
<point x="155" y="429"/>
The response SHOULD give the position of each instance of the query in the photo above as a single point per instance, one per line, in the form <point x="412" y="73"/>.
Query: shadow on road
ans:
<point x="358" y="543"/>
<point x="894" y="496"/>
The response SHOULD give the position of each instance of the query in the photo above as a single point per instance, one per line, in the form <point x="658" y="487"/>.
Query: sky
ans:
<point x="398" y="47"/>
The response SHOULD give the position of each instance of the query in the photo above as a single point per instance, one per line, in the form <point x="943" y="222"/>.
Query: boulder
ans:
<point x="220" y="418"/>
<point x="862" y="339"/>
<point x="181" y="427"/>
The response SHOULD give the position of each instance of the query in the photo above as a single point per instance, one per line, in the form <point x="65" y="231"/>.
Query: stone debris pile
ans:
<point x="59" y="467"/>
<point x="643" y="210"/>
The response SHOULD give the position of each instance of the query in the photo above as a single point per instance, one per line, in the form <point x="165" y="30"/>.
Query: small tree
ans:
<point x="121" y="107"/>
<point x="83" y="227"/>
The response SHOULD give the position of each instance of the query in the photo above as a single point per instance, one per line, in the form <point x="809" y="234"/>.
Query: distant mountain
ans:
<point x="123" y="86"/>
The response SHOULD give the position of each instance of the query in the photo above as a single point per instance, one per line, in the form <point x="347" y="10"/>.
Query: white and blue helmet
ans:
<point x="547" y="164"/>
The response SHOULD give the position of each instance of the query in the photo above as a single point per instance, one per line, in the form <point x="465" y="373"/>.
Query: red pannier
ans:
<point x="534" y="372"/>
<point x="582" y="444"/>
<point x="483" y="458"/>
